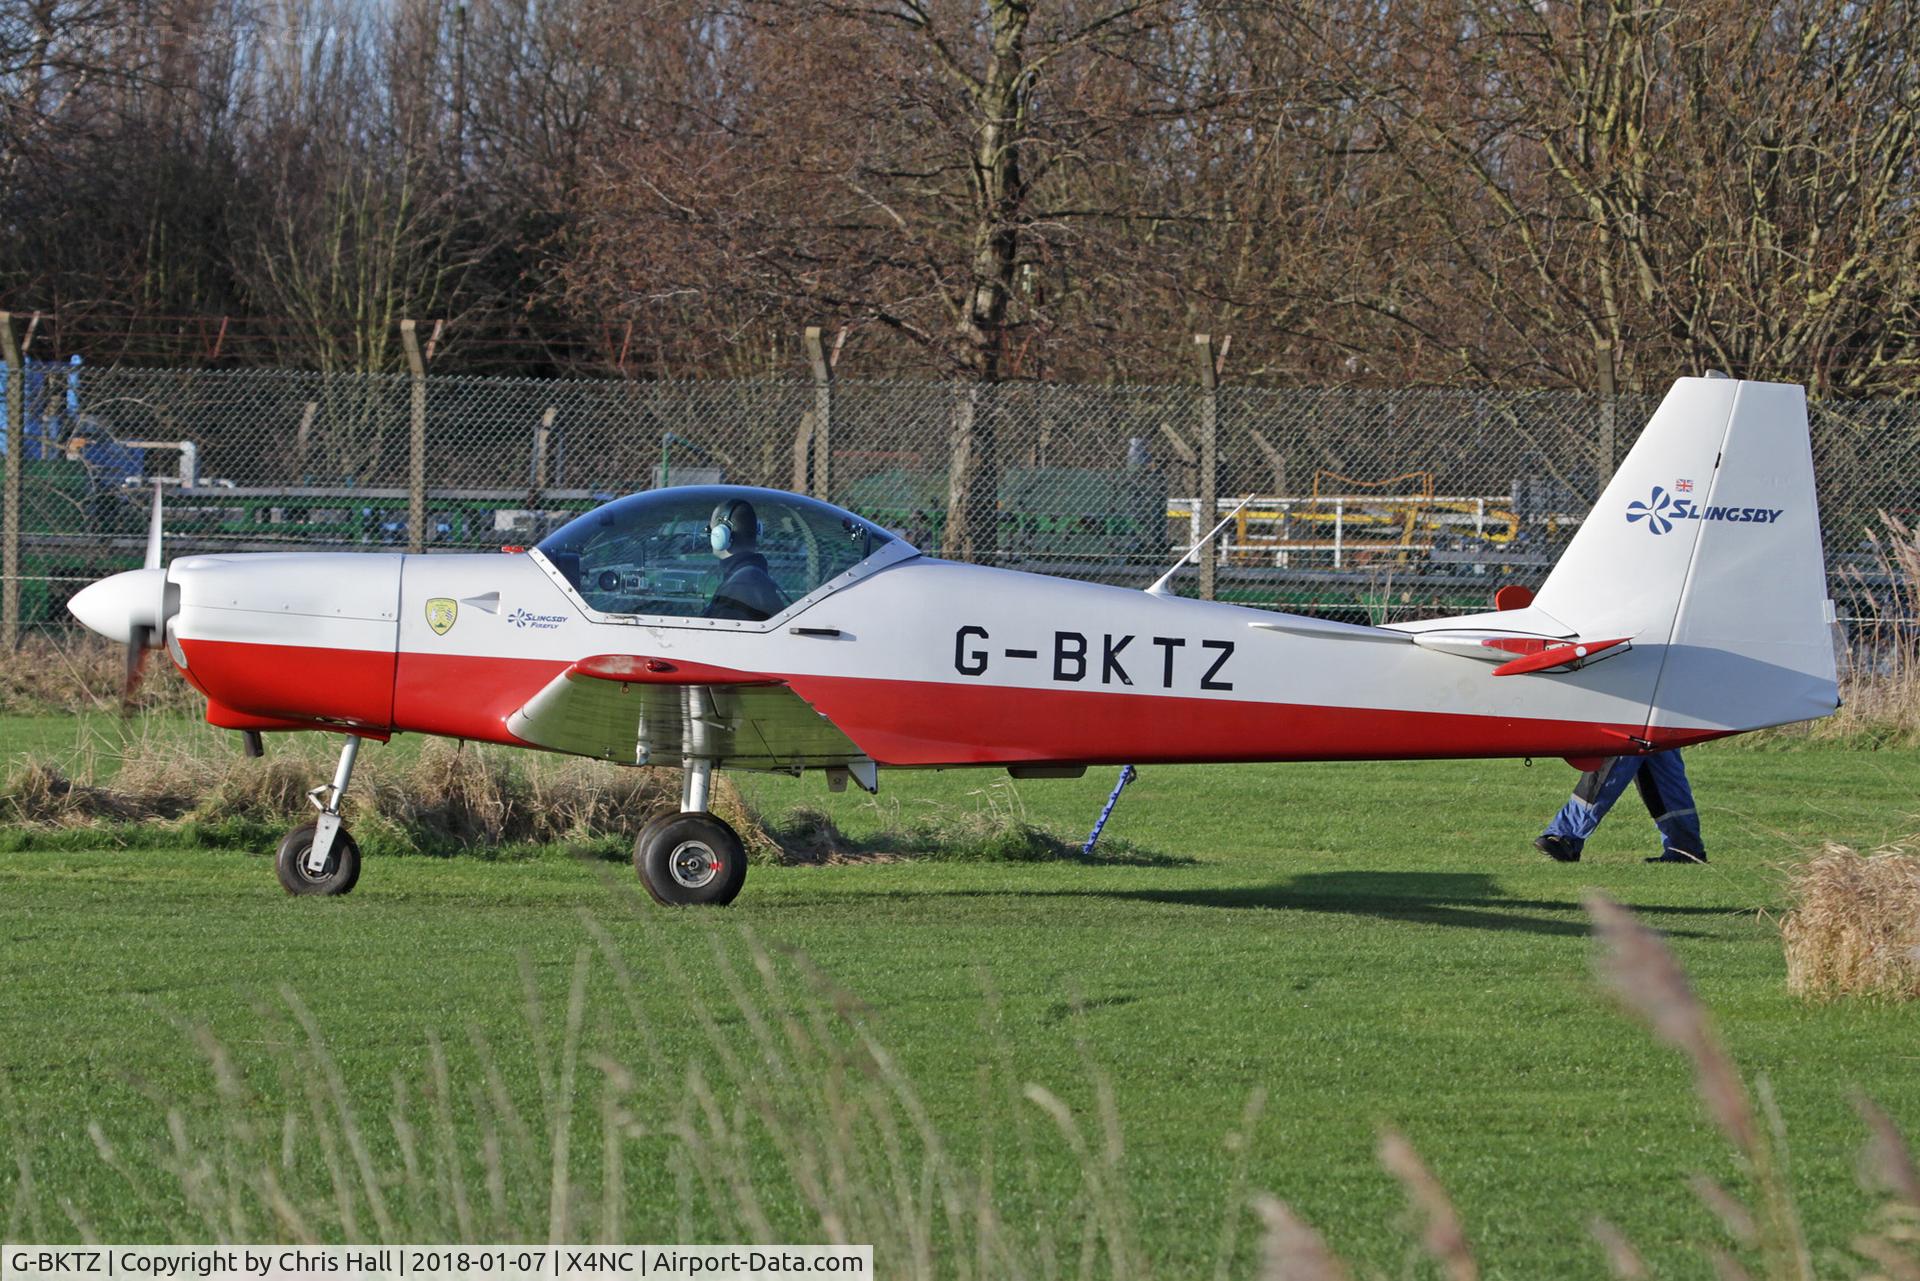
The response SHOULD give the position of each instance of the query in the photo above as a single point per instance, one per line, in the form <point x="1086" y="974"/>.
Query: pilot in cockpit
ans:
<point x="746" y="590"/>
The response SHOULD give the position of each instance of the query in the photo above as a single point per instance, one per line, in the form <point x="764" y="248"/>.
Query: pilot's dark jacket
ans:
<point x="746" y="590"/>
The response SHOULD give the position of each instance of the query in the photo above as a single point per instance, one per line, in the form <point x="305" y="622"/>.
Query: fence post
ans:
<point x="542" y="442"/>
<point x="10" y="496"/>
<point x="416" y="442"/>
<point x="303" y="441"/>
<point x="1603" y="355"/>
<point x="1208" y="501"/>
<point x="822" y="416"/>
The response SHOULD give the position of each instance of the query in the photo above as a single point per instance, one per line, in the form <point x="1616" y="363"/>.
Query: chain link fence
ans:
<point x="1366" y="505"/>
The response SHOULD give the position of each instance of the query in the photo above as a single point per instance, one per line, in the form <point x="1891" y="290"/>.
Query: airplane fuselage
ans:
<point x="922" y="662"/>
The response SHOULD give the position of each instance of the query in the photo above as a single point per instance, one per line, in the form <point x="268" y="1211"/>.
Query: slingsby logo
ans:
<point x="1662" y="510"/>
<point x="542" y="622"/>
<point x="1653" y="511"/>
<point x="441" y="612"/>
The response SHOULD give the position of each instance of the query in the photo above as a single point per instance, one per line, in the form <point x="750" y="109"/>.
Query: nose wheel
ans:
<point x="339" y="869"/>
<point x="320" y="857"/>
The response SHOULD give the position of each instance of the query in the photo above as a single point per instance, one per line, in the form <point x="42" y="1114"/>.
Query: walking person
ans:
<point x="1662" y="780"/>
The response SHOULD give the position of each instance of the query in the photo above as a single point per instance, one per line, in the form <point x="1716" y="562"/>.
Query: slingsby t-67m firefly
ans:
<point x="733" y="628"/>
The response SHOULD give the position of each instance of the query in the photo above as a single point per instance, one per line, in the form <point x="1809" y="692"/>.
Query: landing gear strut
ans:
<point x="691" y="858"/>
<point x="320" y="857"/>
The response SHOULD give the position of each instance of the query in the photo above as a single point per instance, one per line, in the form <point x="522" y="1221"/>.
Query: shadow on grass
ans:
<point x="1469" y="900"/>
<point x="988" y="835"/>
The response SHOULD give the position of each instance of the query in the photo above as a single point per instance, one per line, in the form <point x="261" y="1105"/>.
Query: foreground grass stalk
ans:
<point x="789" y="1117"/>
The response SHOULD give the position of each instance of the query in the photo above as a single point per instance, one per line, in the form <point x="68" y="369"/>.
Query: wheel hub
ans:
<point x="693" y="864"/>
<point x="308" y="874"/>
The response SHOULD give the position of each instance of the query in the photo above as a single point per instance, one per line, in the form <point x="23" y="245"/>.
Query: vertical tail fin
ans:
<point x="1707" y="543"/>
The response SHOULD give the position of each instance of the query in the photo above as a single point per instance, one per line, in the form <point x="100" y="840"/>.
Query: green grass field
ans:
<point x="1370" y="945"/>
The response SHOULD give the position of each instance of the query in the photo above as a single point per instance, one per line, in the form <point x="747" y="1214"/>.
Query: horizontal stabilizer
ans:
<point x="1561" y="657"/>
<point x="1324" y="629"/>
<point x="1519" y="653"/>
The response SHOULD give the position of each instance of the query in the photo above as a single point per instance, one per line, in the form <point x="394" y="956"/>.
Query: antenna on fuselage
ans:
<point x="1191" y="556"/>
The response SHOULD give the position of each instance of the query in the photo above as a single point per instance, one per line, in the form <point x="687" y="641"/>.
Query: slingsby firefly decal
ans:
<point x="441" y="613"/>
<point x="1662" y="510"/>
<point x="722" y="627"/>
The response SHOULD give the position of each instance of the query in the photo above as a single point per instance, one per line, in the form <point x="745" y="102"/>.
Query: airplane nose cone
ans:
<point x="115" y="606"/>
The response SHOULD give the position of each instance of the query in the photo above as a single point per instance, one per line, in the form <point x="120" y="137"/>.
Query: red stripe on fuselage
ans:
<point x="460" y="696"/>
<point x="941" y="723"/>
<point x="292" y="682"/>
<point x="915" y="722"/>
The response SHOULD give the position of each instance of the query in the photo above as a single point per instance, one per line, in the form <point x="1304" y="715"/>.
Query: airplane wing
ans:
<point x="633" y="709"/>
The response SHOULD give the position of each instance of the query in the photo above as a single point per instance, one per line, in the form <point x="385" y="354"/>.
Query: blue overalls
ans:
<point x="1663" y="786"/>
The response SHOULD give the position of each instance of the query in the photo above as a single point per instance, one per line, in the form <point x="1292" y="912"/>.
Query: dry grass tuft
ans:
<point x="76" y="671"/>
<point x="1879" y="662"/>
<point x="1880" y="674"/>
<point x="809" y="835"/>
<point x="1854" y="928"/>
<point x="444" y="797"/>
<point x="447" y="797"/>
<point x="39" y="792"/>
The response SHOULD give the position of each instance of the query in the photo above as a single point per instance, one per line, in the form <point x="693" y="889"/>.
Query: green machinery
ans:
<point x="1050" y="518"/>
<point x="71" y="532"/>
<point x="75" y="529"/>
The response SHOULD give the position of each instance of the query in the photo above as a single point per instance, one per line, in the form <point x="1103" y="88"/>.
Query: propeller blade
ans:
<point x="136" y="664"/>
<point x="153" y="531"/>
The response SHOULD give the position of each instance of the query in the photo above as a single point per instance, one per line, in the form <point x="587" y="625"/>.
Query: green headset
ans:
<point x="732" y="522"/>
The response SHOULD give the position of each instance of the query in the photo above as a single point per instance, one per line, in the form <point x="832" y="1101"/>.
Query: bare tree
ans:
<point x="1684" y="185"/>
<point x="1437" y="190"/>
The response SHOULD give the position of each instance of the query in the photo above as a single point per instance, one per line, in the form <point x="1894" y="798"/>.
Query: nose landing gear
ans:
<point x="691" y="858"/>
<point x="320" y="857"/>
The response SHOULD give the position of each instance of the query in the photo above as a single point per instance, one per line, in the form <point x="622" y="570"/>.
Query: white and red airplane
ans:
<point x="726" y="627"/>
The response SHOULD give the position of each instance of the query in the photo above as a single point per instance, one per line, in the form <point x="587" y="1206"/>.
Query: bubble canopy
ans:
<point x="659" y="554"/>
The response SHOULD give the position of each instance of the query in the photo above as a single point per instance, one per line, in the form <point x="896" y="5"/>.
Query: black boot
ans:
<point x="1671" y="855"/>
<point x="1561" y="849"/>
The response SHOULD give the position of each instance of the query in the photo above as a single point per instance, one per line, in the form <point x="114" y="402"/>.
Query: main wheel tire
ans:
<point x="640" y="842"/>
<point x="690" y="860"/>
<point x="343" y="863"/>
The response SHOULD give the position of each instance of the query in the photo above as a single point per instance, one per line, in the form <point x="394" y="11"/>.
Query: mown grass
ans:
<point x="1367" y="944"/>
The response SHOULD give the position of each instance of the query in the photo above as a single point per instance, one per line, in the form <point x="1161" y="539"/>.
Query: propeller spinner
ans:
<point x="132" y="607"/>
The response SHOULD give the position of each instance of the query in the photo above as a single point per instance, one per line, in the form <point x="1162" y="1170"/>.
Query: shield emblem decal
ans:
<point x="441" y="611"/>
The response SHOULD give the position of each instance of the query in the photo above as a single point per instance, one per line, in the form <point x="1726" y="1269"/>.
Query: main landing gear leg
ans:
<point x="691" y="858"/>
<point x="320" y="857"/>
